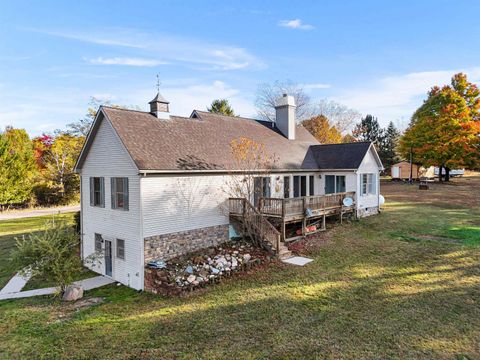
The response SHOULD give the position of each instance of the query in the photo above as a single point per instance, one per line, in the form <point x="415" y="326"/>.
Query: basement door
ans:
<point x="108" y="258"/>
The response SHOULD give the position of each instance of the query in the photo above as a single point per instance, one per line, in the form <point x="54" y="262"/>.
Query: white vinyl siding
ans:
<point x="369" y="189"/>
<point x="108" y="158"/>
<point x="172" y="204"/>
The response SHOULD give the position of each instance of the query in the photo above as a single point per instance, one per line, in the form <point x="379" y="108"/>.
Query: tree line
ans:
<point x="444" y="131"/>
<point x="38" y="171"/>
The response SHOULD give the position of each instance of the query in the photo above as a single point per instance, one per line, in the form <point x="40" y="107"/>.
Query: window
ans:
<point x="296" y="186"/>
<point x="335" y="184"/>
<point x="121" y="249"/>
<point x="340" y="184"/>
<point x="286" y="187"/>
<point x="303" y="186"/>
<point x="311" y="185"/>
<point x="368" y="185"/>
<point x="98" y="242"/>
<point x="266" y="187"/>
<point x="299" y="186"/>
<point x="97" y="191"/>
<point x="119" y="193"/>
<point x="261" y="188"/>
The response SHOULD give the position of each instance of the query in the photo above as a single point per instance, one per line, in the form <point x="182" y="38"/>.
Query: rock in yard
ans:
<point x="247" y="257"/>
<point x="214" y="271"/>
<point x="189" y="270"/>
<point x="72" y="293"/>
<point x="191" y="278"/>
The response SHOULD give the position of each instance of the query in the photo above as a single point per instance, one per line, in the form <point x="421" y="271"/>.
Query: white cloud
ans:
<point x="295" y="24"/>
<point x="315" y="86"/>
<point x="97" y="38"/>
<point x="125" y="61"/>
<point x="397" y="97"/>
<point x="168" y="48"/>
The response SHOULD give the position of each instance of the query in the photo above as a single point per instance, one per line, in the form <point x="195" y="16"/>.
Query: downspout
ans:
<point x="142" y="240"/>
<point x="378" y="191"/>
<point x="81" y="220"/>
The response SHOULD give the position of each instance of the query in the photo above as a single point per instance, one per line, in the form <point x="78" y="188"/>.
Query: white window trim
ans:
<point x="370" y="184"/>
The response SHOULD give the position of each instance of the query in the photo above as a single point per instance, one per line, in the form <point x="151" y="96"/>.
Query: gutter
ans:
<point x="229" y="172"/>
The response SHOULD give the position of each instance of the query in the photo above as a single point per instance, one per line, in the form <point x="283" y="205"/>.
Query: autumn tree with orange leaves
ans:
<point x="445" y="130"/>
<point x="320" y="127"/>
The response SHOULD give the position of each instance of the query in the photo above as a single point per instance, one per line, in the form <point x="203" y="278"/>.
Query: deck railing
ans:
<point x="255" y="222"/>
<point x="297" y="206"/>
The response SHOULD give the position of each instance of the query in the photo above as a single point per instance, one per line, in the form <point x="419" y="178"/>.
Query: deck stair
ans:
<point x="257" y="226"/>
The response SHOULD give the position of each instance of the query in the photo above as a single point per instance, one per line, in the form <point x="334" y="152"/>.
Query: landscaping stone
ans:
<point x="186" y="272"/>
<point x="72" y="293"/>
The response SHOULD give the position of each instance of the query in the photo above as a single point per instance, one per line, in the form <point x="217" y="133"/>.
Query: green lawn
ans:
<point x="404" y="284"/>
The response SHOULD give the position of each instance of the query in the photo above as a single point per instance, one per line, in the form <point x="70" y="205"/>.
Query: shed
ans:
<point x="401" y="171"/>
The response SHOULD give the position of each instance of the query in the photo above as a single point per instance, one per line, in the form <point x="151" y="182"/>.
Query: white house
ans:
<point x="152" y="183"/>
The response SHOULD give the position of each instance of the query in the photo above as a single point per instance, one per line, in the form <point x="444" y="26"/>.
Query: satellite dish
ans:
<point x="381" y="200"/>
<point x="348" y="201"/>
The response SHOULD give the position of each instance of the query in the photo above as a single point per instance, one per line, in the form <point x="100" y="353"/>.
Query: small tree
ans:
<point x="221" y="106"/>
<point x="250" y="160"/>
<point x="52" y="253"/>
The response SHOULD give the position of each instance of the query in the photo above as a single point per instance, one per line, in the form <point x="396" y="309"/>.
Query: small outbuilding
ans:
<point x="401" y="171"/>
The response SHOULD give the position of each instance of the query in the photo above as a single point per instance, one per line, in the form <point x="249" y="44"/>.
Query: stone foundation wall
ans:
<point x="364" y="212"/>
<point x="169" y="246"/>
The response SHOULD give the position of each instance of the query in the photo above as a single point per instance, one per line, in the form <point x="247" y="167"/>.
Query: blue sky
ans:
<point x="378" y="57"/>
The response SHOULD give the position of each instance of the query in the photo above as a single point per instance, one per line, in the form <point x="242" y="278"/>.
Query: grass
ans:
<point x="403" y="284"/>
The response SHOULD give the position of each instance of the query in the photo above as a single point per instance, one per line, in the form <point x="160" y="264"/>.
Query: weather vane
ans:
<point x="158" y="83"/>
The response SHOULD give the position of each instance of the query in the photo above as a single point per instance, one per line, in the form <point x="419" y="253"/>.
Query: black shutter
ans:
<point x="91" y="191"/>
<point x="113" y="191"/>
<point x="102" y="192"/>
<point x="125" y="193"/>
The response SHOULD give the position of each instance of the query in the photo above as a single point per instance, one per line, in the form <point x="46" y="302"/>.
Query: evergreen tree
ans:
<point x="221" y="106"/>
<point x="17" y="167"/>
<point x="387" y="149"/>
<point x="368" y="130"/>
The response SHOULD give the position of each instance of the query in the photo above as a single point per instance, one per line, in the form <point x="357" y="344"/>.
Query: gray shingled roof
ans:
<point x="201" y="143"/>
<point x="159" y="98"/>
<point x="340" y="156"/>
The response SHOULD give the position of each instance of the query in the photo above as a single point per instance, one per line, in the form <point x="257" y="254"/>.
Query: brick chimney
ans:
<point x="285" y="116"/>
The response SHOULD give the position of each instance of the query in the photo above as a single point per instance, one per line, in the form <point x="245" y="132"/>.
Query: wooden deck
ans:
<point x="293" y="209"/>
<point x="307" y="209"/>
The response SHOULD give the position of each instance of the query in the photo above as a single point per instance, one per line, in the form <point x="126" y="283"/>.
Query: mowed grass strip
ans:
<point x="369" y="294"/>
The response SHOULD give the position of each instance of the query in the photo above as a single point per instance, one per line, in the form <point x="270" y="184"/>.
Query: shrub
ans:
<point x="51" y="253"/>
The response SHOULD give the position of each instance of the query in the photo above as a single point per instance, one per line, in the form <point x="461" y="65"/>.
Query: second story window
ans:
<point x="119" y="187"/>
<point x="97" y="191"/>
